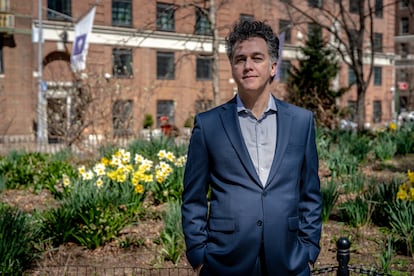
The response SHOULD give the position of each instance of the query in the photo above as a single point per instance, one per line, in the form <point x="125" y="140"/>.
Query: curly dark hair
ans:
<point x="245" y="29"/>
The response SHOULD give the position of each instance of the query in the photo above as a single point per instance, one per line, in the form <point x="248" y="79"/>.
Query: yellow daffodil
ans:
<point x="393" y="126"/>
<point x="99" y="169"/>
<point x="139" y="189"/>
<point x="66" y="180"/>
<point x="99" y="183"/>
<point x="81" y="170"/>
<point x="162" y="154"/>
<point x="410" y="175"/>
<point x="402" y="194"/>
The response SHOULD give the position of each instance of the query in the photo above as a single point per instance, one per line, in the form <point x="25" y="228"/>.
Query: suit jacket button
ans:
<point x="259" y="223"/>
<point x="264" y="193"/>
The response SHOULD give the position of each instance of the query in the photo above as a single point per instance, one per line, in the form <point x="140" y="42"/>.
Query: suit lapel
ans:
<point x="231" y="126"/>
<point x="284" y="124"/>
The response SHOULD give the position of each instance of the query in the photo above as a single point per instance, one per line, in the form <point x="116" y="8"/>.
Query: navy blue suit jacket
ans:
<point x="225" y="231"/>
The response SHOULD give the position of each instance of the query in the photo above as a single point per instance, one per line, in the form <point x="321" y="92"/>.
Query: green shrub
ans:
<point x="148" y="121"/>
<point x="20" y="169"/>
<point x="90" y="215"/>
<point x="34" y="170"/>
<point x="330" y="196"/>
<point x="384" y="147"/>
<point x="353" y="183"/>
<point x="17" y="240"/>
<point x="381" y="195"/>
<point x="341" y="163"/>
<point x="401" y="219"/>
<point x="355" y="212"/>
<point x="172" y="237"/>
<point x="404" y="139"/>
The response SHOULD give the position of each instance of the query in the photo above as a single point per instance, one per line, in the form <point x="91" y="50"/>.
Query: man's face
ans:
<point x="251" y="65"/>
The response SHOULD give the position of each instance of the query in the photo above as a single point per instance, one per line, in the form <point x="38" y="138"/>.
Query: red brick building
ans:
<point x="404" y="49"/>
<point x="145" y="59"/>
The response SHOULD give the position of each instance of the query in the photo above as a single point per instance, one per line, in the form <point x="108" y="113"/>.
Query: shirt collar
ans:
<point x="271" y="105"/>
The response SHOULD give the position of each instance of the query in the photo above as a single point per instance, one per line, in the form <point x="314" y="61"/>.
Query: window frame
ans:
<point x="202" y="22"/>
<point x="377" y="80"/>
<point x="315" y="3"/>
<point x="353" y="6"/>
<point x="59" y="6"/>
<point x="168" y="60"/>
<point x="165" y="11"/>
<point x="204" y="65"/>
<point x="127" y="19"/>
<point x="404" y="25"/>
<point x="123" y="118"/>
<point x="376" y="111"/>
<point x="119" y="54"/>
<point x="378" y="43"/>
<point x="351" y="76"/>
<point x="379" y="8"/>
<point x="284" y="27"/>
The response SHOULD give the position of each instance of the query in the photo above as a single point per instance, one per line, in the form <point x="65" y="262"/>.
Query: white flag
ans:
<point x="83" y="31"/>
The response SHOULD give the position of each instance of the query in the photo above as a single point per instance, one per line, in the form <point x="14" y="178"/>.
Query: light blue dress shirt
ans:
<point x="259" y="135"/>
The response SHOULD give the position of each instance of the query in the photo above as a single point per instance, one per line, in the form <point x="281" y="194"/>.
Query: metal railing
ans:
<point x="342" y="268"/>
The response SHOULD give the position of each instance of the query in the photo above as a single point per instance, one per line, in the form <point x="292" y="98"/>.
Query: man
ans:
<point x="256" y="159"/>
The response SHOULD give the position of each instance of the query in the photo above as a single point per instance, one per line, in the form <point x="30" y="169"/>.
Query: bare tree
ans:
<point x="352" y="28"/>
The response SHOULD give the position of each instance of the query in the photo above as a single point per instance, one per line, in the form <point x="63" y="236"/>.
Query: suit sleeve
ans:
<point x="194" y="208"/>
<point x="310" y="205"/>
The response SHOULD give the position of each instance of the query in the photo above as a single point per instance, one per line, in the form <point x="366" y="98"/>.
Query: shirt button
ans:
<point x="259" y="223"/>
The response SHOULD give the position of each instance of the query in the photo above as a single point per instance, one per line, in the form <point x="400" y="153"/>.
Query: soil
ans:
<point x="138" y="246"/>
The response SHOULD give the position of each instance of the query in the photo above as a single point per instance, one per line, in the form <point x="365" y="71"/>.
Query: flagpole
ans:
<point x="41" y="108"/>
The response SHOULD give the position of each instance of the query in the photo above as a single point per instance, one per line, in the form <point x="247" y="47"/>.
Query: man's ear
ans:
<point x="273" y="69"/>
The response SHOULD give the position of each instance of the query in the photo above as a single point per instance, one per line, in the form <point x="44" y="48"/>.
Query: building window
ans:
<point x="404" y="4"/>
<point x="165" y="66"/>
<point x="403" y="75"/>
<point x="246" y="17"/>
<point x="377" y="47"/>
<point x="351" y="76"/>
<point x="165" y="108"/>
<point x="377" y="112"/>
<point x="165" y="17"/>
<point x="122" y="63"/>
<point x="202" y="105"/>
<point x="202" y="25"/>
<point x="404" y="50"/>
<point x="377" y="75"/>
<point x="122" y="117"/>
<point x="284" y="70"/>
<point x="314" y="30"/>
<point x="58" y="7"/>
<point x="354" y="6"/>
<point x="352" y="110"/>
<point x="122" y="13"/>
<point x="315" y="3"/>
<point x="353" y="38"/>
<point x="204" y="70"/>
<point x="404" y="25"/>
<point x="285" y="26"/>
<point x="379" y="7"/>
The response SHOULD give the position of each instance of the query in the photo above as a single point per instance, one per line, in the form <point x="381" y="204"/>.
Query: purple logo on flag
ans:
<point x="79" y="44"/>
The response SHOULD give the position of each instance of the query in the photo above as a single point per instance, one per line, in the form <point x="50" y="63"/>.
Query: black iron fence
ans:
<point x="342" y="268"/>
